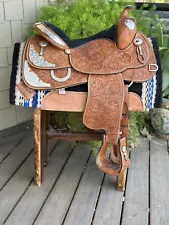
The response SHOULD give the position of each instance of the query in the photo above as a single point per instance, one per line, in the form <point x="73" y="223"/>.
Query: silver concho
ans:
<point x="67" y="51"/>
<point x="42" y="45"/>
<point x="124" y="149"/>
<point x="138" y="41"/>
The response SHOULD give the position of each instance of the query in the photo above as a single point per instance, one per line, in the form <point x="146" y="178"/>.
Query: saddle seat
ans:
<point x="72" y="43"/>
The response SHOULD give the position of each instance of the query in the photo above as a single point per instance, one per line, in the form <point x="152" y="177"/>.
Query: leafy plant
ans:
<point x="163" y="42"/>
<point x="82" y="18"/>
<point x="71" y="120"/>
<point x="139" y="122"/>
<point x="147" y="20"/>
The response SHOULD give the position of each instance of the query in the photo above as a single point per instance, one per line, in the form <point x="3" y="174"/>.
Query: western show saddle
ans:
<point x="52" y="66"/>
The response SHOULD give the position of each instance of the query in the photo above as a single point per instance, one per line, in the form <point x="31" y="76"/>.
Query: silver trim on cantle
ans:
<point x="50" y="34"/>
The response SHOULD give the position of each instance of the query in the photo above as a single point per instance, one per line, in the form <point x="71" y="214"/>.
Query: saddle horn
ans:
<point x="126" y="29"/>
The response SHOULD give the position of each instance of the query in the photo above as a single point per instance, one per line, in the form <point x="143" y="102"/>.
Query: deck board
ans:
<point x="11" y="193"/>
<point x="15" y="159"/>
<point x="58" y="202"/>
<point x="34" y="197"/>
<point x="75" y="192"/>
<point x="15" y="188"/>
<point x="9" y="143"/>
<point x="86" y="196"/>
<point x="159" y="183"/>
<point x="136" y="202"/>
<point x="109" y="206"/>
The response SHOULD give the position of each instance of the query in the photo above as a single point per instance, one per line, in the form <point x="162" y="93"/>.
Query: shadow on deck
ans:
<point x="75" y="192"/>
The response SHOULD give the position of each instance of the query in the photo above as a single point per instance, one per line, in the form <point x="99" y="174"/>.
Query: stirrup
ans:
<point x="107" y="165"/>
<point x="114" y="154"/>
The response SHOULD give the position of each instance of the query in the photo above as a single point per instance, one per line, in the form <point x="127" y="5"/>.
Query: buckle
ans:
<point x="150" y="67"/>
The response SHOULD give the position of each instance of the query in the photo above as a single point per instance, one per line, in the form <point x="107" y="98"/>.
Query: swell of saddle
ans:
<point x="126" y="29"/>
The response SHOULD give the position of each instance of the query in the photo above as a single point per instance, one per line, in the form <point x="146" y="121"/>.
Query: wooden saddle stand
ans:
<point x="51" y="64"/>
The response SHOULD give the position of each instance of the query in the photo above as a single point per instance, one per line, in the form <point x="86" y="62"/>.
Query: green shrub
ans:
<point x="138" y="122"/>
<point x="163" y="41"/>
<point x="83" y="18"/>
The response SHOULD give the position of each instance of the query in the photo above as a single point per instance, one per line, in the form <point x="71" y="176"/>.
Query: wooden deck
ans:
<point x="75" y="192"/>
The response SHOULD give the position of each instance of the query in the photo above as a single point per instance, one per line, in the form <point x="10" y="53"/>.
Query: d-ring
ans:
<point x="58" y="79"/>
<point x="151" y="69"/>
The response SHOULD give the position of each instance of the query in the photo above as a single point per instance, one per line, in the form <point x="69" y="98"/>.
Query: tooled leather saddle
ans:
<point x="51" y="62"/>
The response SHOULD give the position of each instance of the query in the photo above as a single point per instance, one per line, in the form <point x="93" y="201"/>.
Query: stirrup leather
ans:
<point x="119" y="159"/>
